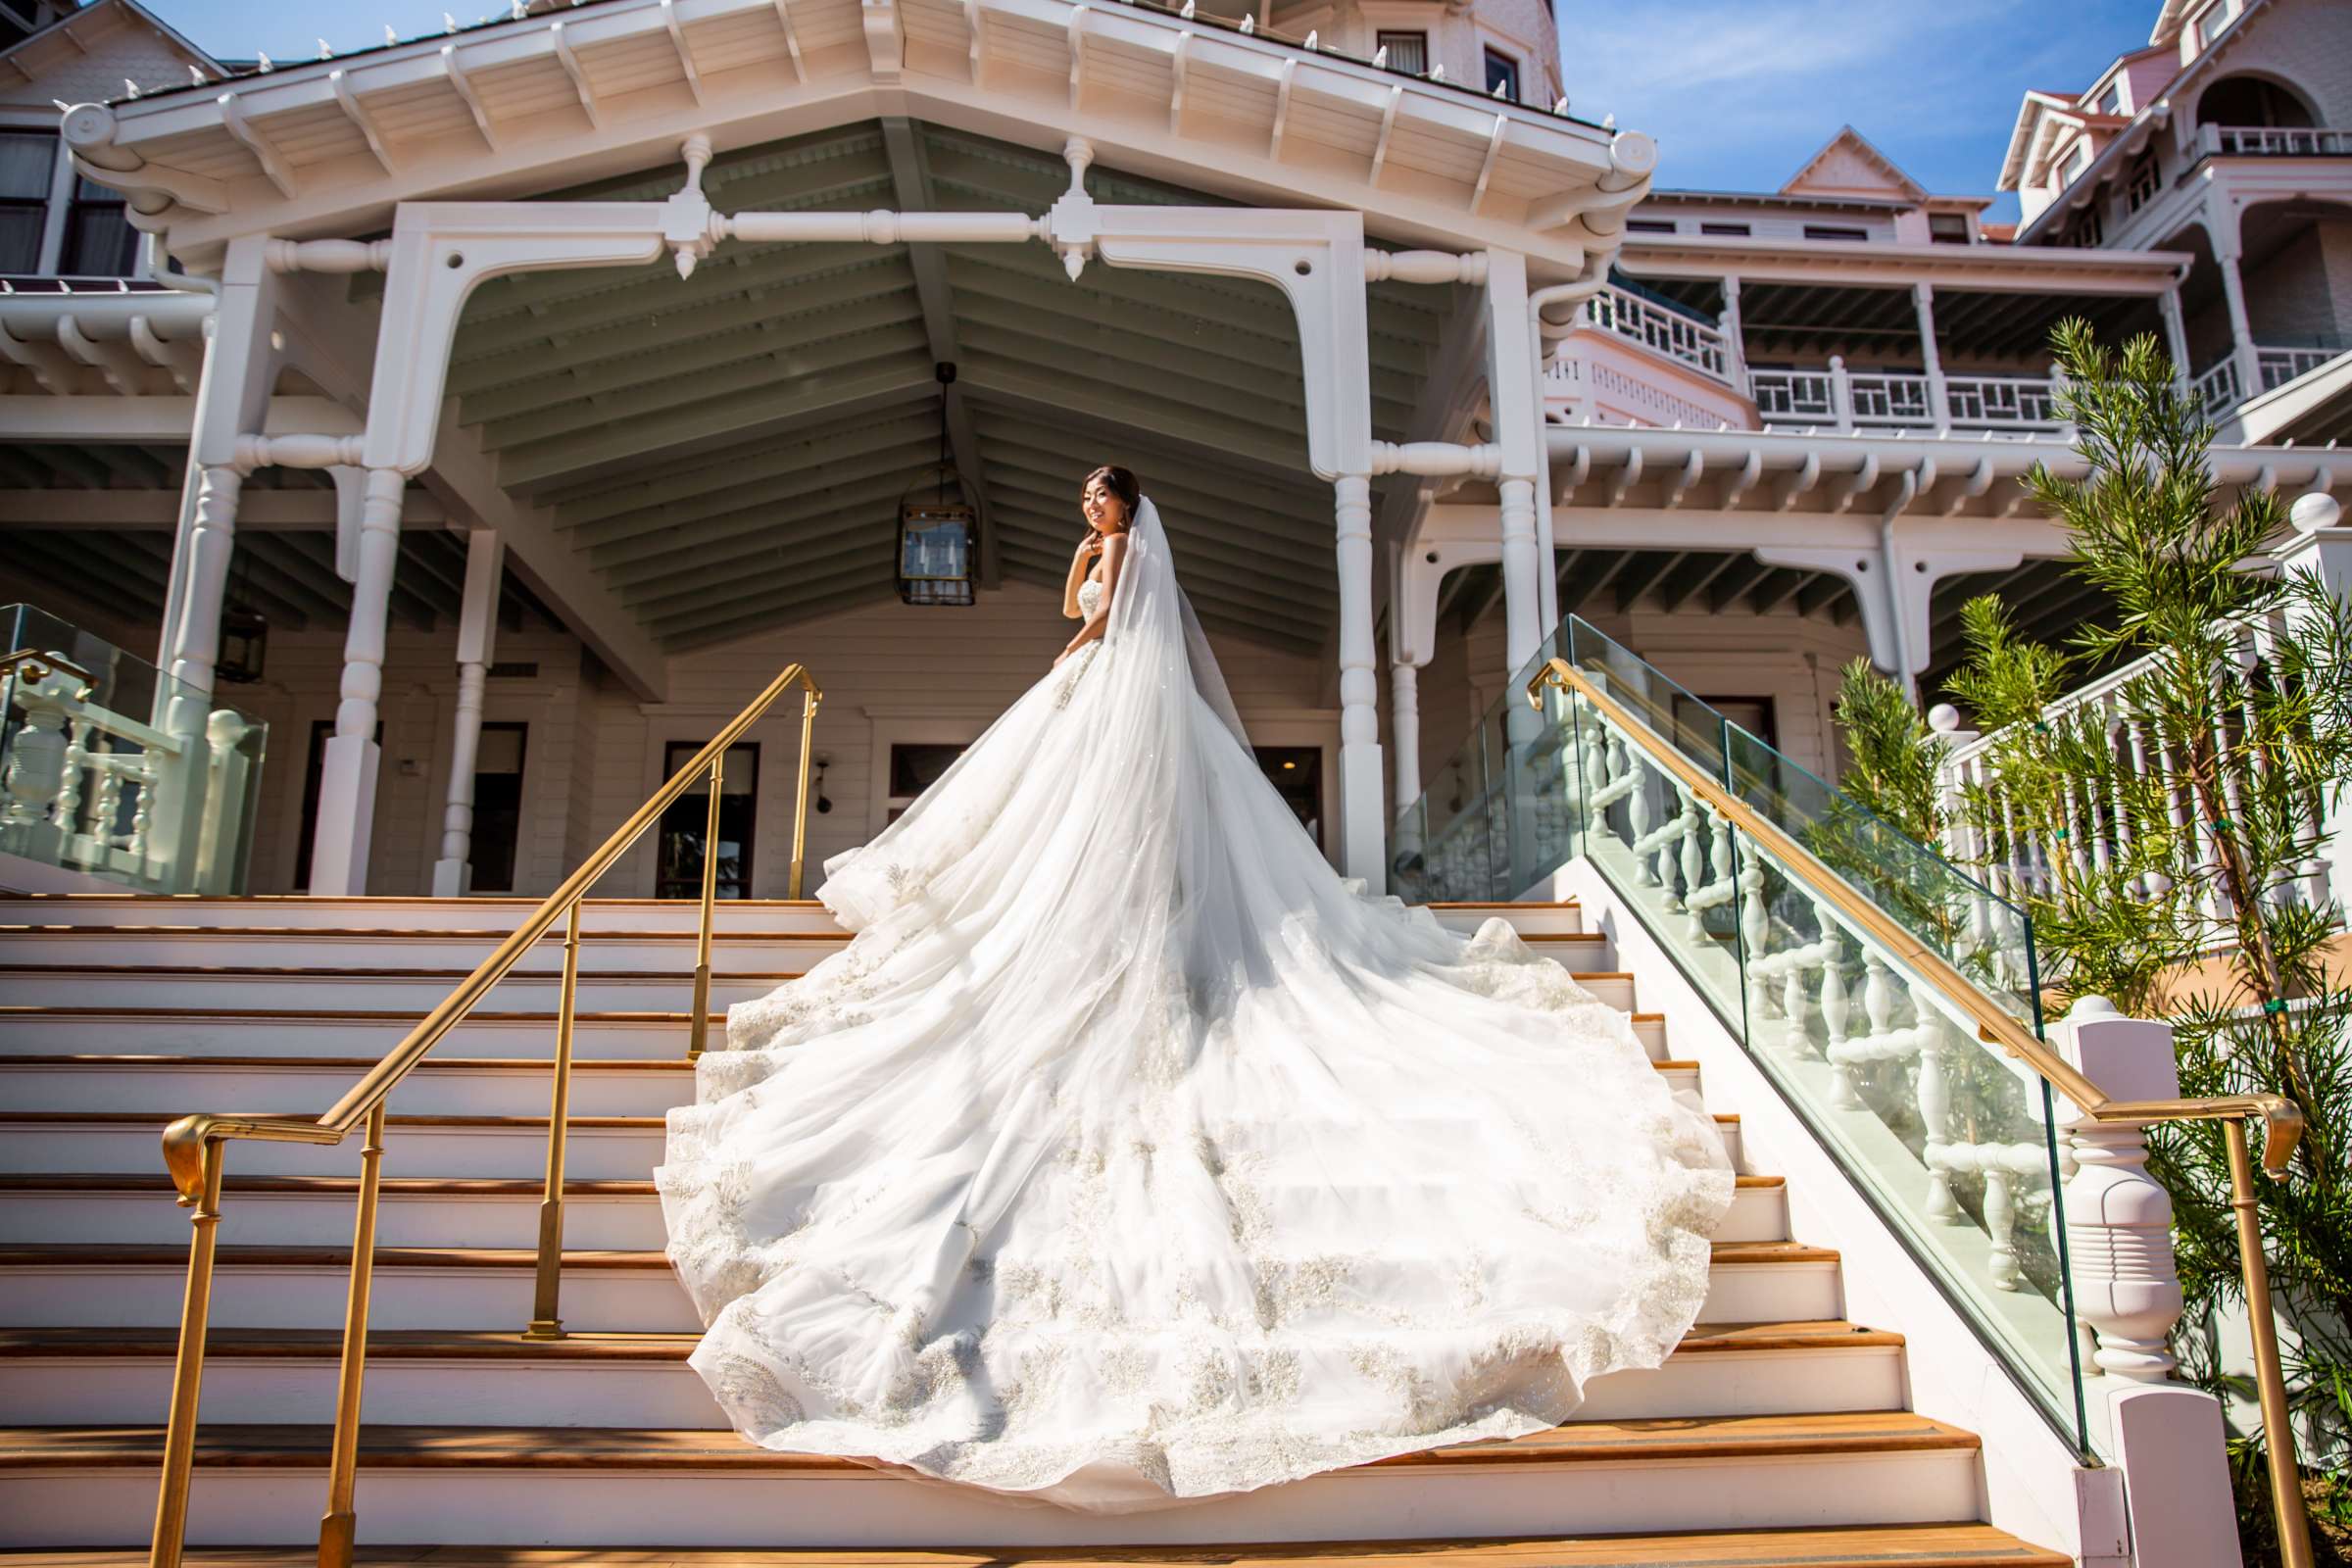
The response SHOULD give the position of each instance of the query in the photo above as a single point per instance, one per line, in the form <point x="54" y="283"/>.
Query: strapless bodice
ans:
<point x="1089" y="597"/>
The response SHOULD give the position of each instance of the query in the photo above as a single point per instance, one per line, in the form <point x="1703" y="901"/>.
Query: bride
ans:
<point x="1128" y="1155"/>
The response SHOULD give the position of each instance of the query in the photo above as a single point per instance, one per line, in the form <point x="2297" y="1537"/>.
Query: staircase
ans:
<point x="1777" y="1434"/>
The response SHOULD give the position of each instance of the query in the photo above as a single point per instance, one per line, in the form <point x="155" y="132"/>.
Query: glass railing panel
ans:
<point x="110" y="768"/>
<point x="1950" y="1137"/>
<point x="1854" y="965"/>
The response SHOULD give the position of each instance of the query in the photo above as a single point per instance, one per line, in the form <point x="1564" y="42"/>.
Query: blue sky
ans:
<point x="1740" y="92"/>
<point x="1737" y="92"/>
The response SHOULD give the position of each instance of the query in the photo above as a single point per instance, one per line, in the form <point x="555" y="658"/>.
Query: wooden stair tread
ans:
<point x="349" y="1185"/>
<point x="539" y="1065"/>
<point x="415" y="1186"/>
<point x="505" y="1344"/>
<point x="230" y="1445"/>
<point x="388" y="1015"/>
<point x="487" y="934"/>
<point x="164" y="1119"/>
<point x="258" y="971"/>
<point x="135" y="1255"/>
<point x="1926" y="1546"/>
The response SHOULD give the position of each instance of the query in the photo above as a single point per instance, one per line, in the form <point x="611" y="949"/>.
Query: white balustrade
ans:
<point x="1666" y="331"/>
<point x="2094" y="833"/>
<point x="2217" y="389"/>
<point x="2279" y="366"/>
<point x="1837" y="398"/>
<point x="2275" y="141"/>
<point x="81" y="782"/>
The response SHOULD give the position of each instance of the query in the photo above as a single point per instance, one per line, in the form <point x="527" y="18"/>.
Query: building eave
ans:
<point x="329" y="147"/>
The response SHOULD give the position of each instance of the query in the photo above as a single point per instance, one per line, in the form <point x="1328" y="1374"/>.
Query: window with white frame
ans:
<point x="2144" y="183"/>
<point x="2208" y="24"/>
<point x="1407" y="51"/>
<point x="99" y="239"/>
<point x="2111" y="102"/>
<point x="1503" y="74"/>
<point x="27" y="165"/>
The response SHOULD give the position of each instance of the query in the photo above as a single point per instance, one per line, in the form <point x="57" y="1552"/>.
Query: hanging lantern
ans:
<point x="938" y="538"/>
<point x="244" y="635"/>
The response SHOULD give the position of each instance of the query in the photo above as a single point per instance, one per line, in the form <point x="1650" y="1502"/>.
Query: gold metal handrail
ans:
<point x="194" y="1145"/>
<point x="2283" y="1120"/>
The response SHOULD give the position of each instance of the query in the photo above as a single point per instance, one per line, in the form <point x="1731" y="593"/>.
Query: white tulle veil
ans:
<point x="1151" y="612"/>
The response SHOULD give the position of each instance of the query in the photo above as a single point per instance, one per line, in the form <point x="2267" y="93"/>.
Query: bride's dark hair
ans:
<point x="1121" y="483"/>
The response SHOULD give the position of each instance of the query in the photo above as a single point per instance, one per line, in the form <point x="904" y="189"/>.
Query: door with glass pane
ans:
<point x="679" y="873"/>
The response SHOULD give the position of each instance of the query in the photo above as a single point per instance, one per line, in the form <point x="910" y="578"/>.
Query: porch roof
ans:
<point x="518" y="108"/>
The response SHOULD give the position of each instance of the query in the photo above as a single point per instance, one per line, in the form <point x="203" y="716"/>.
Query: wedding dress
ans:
<point x="1128" y="1155"/>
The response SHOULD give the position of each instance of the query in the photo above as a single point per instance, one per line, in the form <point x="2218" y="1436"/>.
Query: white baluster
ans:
<point x="1834" y="1009"/>
<point x="2000" y="1223"/>
<point x="1935" y="1114"/>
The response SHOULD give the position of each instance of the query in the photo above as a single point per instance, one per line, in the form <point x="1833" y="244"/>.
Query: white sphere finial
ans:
<point x="2314" y="512"/>
<point x="1943" y="718"/>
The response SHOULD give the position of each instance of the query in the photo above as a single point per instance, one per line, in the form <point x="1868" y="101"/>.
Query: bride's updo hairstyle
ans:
<point x="1121" y="482"/>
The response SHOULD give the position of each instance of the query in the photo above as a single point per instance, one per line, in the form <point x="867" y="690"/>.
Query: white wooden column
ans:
<point x="1404" y="731"/>
<point x="233" y="396"/>
<point x="1517" y="416"/>
<point x="1940" y="401"/>
<point x="2176" y="334"/>
<point x="1734" y="338"/>
<point x="2241" y="328"/>
<point x="477" y="643"/>
<point x="1363" y="835"/>
<point x="347" y="781"/>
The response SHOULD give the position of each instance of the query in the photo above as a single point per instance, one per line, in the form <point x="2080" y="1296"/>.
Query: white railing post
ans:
<point x="1842" y="396"/>
<point x="2127" y="1290"/>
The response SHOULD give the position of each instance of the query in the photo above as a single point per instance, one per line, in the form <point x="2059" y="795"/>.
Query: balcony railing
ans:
<point x="1677" y="336"/>
<point x="1839" y="399"/>
<point x="2279" y="366"/>
<point x="2275" y="141"/>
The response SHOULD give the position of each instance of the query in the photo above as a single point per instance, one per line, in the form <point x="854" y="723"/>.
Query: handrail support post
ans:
<point x="187" y="1371"/>
<point x="549" y="1284"/>
<point x="338" y="1528"/>
<point x="699" y="1032"/>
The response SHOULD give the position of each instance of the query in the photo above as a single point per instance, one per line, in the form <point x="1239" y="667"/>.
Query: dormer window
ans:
<point x="1407" y="52"/>
<point x="1503" y="74"/>
<point x="1947" y="228"/>
<point x="2208" y="24"/>
<point x="2111" y="102"/>
<point x="27" y="164"/>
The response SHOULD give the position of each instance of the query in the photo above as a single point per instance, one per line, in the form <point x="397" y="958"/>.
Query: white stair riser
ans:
<point x="675" y="1509"/>
<point x="57" y="1034"/>
<point x="426" y="1092"/>
<point x="591" y="1153"/>
<point x="535" y="992"/>
<point x="591" y="1223"/>
<point x="499" y="915"/>
<point x="670" y="1394"/>
<point x="393" y="949"/>
<point x="473" y="1091"/>
<point x="1528" y="920"/>
<point x="646" y="1300"/>
<point x="505" y="914"/>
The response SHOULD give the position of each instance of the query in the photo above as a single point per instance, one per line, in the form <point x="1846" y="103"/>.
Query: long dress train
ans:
<point x="1128" y="1155"/>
